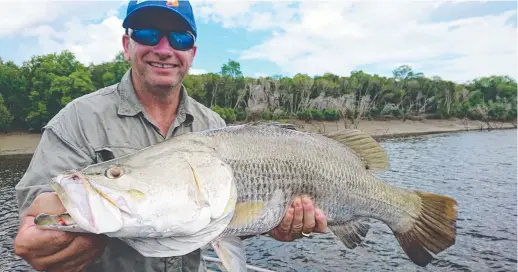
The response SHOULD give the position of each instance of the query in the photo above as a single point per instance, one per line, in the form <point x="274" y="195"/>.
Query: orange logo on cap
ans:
<point x="173" y="3"/>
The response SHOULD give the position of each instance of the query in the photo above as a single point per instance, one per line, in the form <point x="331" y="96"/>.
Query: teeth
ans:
<point x="159" y="65"/>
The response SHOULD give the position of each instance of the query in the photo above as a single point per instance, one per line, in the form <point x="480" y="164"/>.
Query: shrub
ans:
<point x="227" y="114"/>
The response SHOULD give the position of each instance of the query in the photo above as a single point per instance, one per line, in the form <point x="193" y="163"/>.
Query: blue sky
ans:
<point x="456" y="40"/>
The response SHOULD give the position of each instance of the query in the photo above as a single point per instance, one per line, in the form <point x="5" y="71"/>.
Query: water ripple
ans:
<point x="478" y="169"/>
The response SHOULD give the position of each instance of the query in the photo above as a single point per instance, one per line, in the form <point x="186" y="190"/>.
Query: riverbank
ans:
<point x="25" y="143"/>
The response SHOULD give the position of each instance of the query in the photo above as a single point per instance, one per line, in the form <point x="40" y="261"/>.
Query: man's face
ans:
<point x="160" y="66"/>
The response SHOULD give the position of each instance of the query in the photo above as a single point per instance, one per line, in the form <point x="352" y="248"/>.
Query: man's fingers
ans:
<point x="78" y="252"/>
<point x="34" y="242"/>
<point x="309" y="215"/>
<point x="284" y="227"/>
<point x="78" y="247"/>
<point x="93" y="248"/>
<point x="298" y="214"/>
<point x="320" y="221"/>
<point x="53" y="241"/>
<point x="46" y="203"/>
<point x="301" y="217"/>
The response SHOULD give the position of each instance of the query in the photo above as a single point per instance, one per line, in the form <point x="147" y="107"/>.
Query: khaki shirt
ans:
<point x="99" y="126"/>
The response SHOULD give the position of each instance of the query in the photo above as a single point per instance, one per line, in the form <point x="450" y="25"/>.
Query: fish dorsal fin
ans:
<point x="351" y="233"/>
<point x="369" y="150"/>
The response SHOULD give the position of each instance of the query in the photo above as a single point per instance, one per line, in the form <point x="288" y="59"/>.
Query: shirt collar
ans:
<point x="130" y="105"/>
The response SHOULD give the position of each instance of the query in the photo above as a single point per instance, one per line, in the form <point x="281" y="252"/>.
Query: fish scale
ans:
<point x="313" y="161"/>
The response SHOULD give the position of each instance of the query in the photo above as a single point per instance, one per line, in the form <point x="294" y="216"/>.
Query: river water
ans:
<point x="478" y="169"/>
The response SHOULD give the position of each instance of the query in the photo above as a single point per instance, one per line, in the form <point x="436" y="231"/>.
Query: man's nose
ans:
<point x="163" y="47"/>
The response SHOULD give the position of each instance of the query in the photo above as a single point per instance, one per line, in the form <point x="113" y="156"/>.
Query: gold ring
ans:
<point x="306" y="234"/>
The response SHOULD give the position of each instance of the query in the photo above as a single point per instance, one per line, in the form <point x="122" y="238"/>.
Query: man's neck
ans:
<point x="161" y="109"/>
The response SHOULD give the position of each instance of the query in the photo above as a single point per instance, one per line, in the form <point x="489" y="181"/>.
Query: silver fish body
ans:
<point x="240" y="180"/>
<point x="272" y="166"/>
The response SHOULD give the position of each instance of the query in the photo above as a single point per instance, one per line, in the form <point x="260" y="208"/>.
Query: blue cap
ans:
<point x="181" y="8"/>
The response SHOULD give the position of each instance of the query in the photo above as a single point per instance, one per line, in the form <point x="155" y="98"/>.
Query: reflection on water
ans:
<point x="11" y="170"/>
<point x="476" y="168"/>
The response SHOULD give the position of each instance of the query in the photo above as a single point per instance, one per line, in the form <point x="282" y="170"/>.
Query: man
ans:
<point x="148" y="106"/>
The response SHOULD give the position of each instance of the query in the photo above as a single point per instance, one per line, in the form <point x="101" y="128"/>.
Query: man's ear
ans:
<point x="125" y="46"/>
<point x="193" y="51"/>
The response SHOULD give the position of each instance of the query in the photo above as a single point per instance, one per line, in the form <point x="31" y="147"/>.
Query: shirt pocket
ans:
<point x="107" y="153"/>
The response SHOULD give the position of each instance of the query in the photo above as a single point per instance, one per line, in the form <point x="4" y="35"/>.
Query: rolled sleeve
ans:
<point x="53" y="155"/>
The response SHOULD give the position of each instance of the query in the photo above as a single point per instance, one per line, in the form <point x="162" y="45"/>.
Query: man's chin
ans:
<point x="163" y="86"/>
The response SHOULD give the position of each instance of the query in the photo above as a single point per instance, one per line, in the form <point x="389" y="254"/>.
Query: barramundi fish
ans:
<point x="212" y="187"/>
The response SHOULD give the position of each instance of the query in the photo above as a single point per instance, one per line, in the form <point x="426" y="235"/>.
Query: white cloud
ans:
<point x="336" y="36"/>
<point x="310" y="37"/>
<point x="253" y="15"/>
<point x="89" y="29"/>
<point x="17" y="15"/>
<point x="91" y="43"/>
<point x="194" y="71"/>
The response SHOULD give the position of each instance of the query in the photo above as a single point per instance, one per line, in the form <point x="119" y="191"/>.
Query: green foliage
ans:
<point x="240" y="114"/>
<point x="305" y="115"/>
<point x="392" y="110"/>
<point x="5" y="116"/>
<point x="319" y="115"/>
<point x="279" y="114"/>
<point x="35" y="91"/>
<point x="227" y="114"/>
<point x="331" y="115"/>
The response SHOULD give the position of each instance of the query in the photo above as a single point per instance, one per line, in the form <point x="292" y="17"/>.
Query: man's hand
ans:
<point x="52" y="250"/>
<point x="300" y="218"/>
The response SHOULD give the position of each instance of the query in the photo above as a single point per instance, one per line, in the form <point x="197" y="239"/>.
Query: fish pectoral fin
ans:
<point x="369" y="150"/>
<point x="352" y="233"/>
<point x="231" y="252"/>
<point x="61" y="222"/>
<point x="246" y="212"/>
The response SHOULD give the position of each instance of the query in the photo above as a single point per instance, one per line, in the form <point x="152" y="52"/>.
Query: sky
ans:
<point x="455" y="40"/>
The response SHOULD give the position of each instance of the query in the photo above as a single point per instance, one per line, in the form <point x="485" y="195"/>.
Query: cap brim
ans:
<point x="130" y="18"/>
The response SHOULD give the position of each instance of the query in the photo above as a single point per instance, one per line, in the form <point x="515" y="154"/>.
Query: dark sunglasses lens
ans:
<point x="181" y="40"/>
<point x="146" y="36"/>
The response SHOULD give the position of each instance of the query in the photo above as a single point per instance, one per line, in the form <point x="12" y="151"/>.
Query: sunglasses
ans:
<point x="182" y="41"/>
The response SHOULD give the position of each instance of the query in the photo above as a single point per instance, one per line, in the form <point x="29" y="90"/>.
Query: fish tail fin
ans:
<point x="434" y="229"/>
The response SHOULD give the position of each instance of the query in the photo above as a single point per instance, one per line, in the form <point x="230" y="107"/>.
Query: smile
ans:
<point x="161" y="65"/>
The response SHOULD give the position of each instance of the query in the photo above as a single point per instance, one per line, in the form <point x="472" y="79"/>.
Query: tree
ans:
<point x="35" y="91"/>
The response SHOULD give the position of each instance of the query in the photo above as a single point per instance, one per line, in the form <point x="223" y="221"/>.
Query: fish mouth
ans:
<point x="88" y="206"/>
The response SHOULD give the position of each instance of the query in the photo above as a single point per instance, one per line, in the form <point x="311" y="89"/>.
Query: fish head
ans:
<point x="91" y="209"/>
<point x="179" y="193"/>
<point x="107" y="196"/>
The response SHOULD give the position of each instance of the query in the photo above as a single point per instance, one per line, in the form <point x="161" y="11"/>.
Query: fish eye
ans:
<point x="114" y="172"/>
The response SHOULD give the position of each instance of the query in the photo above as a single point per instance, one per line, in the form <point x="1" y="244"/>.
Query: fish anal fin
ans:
<point x="231" y="252"/>
<point x="246" y="212"/>
<point x="369" y="150"/>
<point x="434" y="229"/>
<point x="351" y="233"/>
